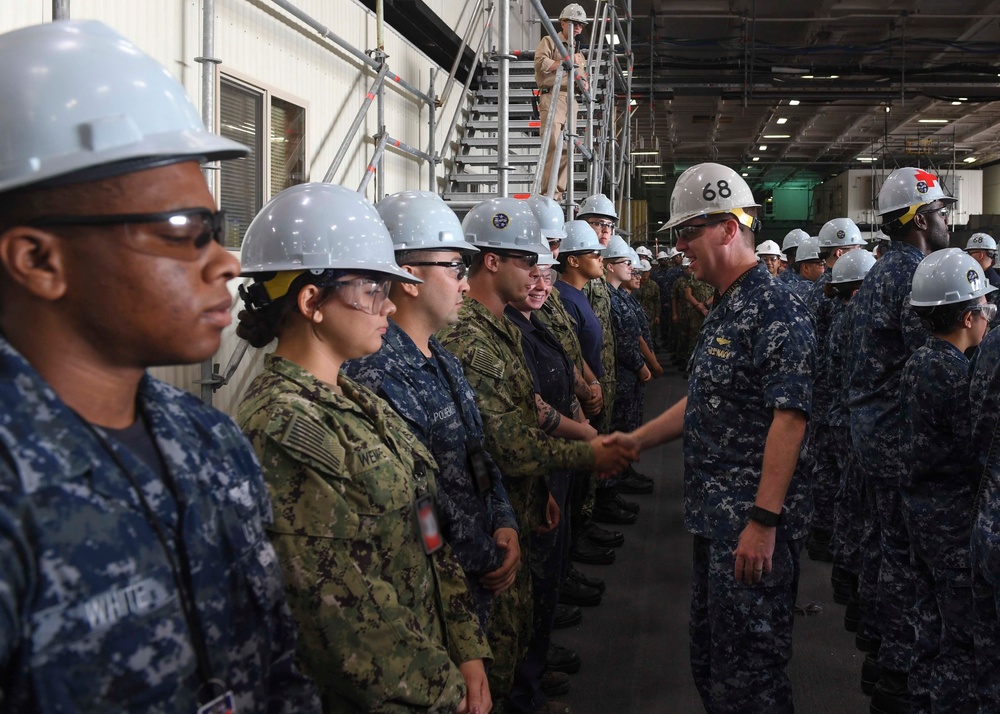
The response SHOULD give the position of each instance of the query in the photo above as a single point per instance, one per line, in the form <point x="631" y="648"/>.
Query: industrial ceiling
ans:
<point x="791" y="92"/>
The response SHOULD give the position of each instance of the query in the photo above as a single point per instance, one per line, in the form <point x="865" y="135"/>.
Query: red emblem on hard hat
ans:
<point x="923" y="177"/>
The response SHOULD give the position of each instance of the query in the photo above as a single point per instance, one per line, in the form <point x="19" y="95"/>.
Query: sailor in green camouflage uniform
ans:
<point x="387" y="620"/>
<point x="489" y="347"/>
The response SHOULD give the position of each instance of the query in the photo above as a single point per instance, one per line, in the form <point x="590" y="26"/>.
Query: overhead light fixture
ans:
<point x="808" y="76"/>
<point x="969" y="159"/>
<point x="648" y="167"/>
<point x="933" y="121"/>
<point x="956" y="104"/>
<point x="888" y="109"/>
<point x="762" y="147"/>
<point x="834" y="76"/>
<point x="645" y="153"/>
<point x="633" y="102"/>
<point x="777" y="136"/>
<point x="655" y="183"/>
<point x="756" y="158"/>
<point x="782" y="120"/>
<point x="963" y="99"/>
<point x="744" y="175"/>
<point x="866" y="159"/>
<point x="793" y="102"/>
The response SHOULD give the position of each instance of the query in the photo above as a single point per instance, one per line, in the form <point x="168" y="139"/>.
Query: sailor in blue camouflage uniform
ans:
<point x="809" y="266"/>
<point x="837" y="238"/>
<point x="789" y="247"/>
<point x="743" y="423"/>
<point x="845" y="279"/>
<point x="134" y="570"/>
<point x="425" y="384"/>
<point x="984" y="399"/>
<point x="632" y="371"/>
<point x="913" y="207"/>
<point x="942" y="476"/>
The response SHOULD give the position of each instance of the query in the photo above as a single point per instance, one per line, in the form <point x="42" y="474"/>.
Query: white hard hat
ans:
<point x="580" y="237"/>
<point x="981" y="241"/>
<point x="880" y="236"/>
<point x="808" y="249"/>
<point x="616" y="248"/>
<point x="574" y="13"/>
<point x="663" y="255"/>
<point x="597" y="205"/>
<point x="319" y="226"/>
<point x="793" y="238"/>
<point x="910" y="188"/>
<point x="768" y="247"/>
<point x="421" y="220"/>
<point x="550" y="217"/>
<point x="708" y="189"/>
<point x="948" y="276"/>
<point x="644" y="266"/>
<point x="852" y="266"/>
<point x="503" y="224"/>
<point x="634" y="257"/>
<point x="840" y="233"/>
<point x="644" y="251"/>
<point x="784" y="258"/>
<point x="82" y="102"/>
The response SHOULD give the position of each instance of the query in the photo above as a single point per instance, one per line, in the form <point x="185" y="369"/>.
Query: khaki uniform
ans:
<point x="491" y="355"/>
<point x="546" y="61"/>
<point x="382" y="625"/>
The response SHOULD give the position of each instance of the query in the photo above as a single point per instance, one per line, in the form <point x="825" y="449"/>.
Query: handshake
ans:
<point x="613" y="453"/>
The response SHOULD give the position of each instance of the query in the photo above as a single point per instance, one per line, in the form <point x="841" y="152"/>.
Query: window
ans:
<point x="281" y="158"/>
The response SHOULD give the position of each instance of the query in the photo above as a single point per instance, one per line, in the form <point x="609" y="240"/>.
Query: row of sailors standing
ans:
<point x="904" y="411"/>
<point x="388" y="525"/>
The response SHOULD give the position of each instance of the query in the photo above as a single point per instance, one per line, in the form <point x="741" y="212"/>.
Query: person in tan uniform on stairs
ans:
<point x="547" y="59"/>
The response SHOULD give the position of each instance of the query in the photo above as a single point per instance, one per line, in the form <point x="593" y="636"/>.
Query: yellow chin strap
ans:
<point x="278" y="286"/>
<point x="742" y="216"/>
<point x="910" y="213"/>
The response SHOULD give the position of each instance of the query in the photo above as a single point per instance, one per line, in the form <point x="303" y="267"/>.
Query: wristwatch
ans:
<point x="764" y="517"/>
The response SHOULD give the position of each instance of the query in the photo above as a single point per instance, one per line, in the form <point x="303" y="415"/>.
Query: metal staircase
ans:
<point x="472" y="173"/>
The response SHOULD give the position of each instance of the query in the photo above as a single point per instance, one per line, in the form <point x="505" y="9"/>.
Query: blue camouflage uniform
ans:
<point x="822" y="461"/>
<point x="848" y="524"/>
<point x="435" y="399"/>
<point x="666" y="299"/>
<point x="755" y="354"/>
<point x="791" y="276"/>
<point x="91" y="618"/>
<point x="984" y="400"/>
<point x="939" y="488"/>
<point x="802" y="287"/>
<point x="886" y="333"/>
<point x="627" y="415"/>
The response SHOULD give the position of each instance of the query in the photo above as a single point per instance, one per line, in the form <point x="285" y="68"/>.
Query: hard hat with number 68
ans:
<point x="981" y="241"/>
<point x="708" y="189"/>
<point x="948" y="276"/>
<point x="852" y="267"/>
<point x="910" y="188"/>
<point x="574" y="13"/>
<point x="840" y="233"/>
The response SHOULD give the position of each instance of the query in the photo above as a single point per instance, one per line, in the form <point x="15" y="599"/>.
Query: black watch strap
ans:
<point x="764" y="517"/>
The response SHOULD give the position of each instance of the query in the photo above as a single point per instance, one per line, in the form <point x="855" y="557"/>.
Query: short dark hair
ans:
<point x="943" y="318"/>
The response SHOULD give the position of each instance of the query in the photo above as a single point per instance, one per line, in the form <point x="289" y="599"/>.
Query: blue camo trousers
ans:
<point x="943" y="677"/>
<point x="871" y="559"/>
<point x="895" y="580"/>
<point x="848" y="531"/>
<point x="986" y="616"/>
<point x="825" y="477"/>
<point x="741" y="635"/>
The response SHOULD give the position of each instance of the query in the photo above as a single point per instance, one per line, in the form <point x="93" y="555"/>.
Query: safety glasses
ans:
<point x="522" y="260"/>
<point x="183" y="234"/>
<point x="459" y="269"/>
<point x="601" y="224"/>
<point x="693" y="232"/>
<point x="988" y="310"/>
<point x="364" y="294"/>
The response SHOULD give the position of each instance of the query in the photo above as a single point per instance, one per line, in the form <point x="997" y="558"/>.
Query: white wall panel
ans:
<point x="260" y="44"/>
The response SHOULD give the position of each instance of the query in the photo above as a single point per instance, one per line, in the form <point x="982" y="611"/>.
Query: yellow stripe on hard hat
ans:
<point x="742" y="216"/>
<point x="278" y="286"/>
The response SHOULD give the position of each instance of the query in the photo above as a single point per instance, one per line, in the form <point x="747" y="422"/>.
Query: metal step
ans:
<point x="489" y="179"/>
<point x="492" y="109"/>
<point x="490" y="142"/>
<point x="491" y="159"/>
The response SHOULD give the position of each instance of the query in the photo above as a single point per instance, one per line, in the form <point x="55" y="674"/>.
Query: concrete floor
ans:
<point x="634" y="646"/>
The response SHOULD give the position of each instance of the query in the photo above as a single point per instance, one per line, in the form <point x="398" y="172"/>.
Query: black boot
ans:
<point x="892" y="694"/>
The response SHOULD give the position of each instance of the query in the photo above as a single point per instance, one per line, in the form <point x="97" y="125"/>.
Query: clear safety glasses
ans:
<point x="364" y="294"/>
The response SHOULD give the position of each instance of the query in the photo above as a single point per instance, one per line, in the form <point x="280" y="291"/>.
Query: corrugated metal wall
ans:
<point x="262" y="45"/>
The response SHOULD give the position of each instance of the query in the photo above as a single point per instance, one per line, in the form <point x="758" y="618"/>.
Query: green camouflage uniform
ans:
<point x="490" y="351"/>
<point x="649" y="297"/>
<point x="382" y="625"/>
<point x="600" y="301"/>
